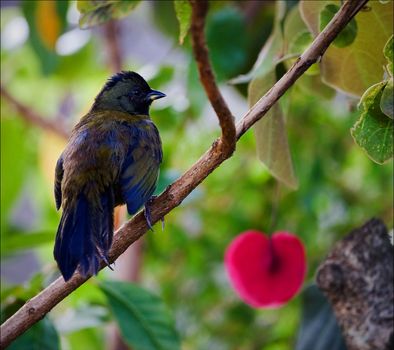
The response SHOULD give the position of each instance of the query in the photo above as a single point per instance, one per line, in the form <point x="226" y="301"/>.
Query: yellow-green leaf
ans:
<point x="374" y="130"/>
<point x="270" y="132"/>
<point x="183" y="12"/>
<point x="95" y="12"/>
<point x="388" y="53"/>
<point x="354" y="68"/>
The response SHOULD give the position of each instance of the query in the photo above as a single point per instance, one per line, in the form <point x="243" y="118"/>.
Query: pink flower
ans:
<point x="266" y="272"/>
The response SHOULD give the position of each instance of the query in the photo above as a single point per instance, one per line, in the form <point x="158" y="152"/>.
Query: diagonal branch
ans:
<point x="37" y="307"/>
<point x="200" y="50"/>
<point x="33" y="117"/>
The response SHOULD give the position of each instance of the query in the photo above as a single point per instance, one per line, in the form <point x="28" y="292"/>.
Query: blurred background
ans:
<point x="51" y="70"/>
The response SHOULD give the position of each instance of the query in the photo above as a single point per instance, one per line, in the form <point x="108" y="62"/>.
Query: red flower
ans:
<point x="266" y="272"/>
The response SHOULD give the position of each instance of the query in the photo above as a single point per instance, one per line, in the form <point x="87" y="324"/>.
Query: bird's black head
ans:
<point x="126" y="92"/>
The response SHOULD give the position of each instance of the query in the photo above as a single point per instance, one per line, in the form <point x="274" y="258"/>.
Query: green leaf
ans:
<point x="374" y="130"/>
<point x="388" y="53"/>
<point x="19" y="241"/>
<point x="183" y="12"/>
<point x="270" y="133"/>
<point x="356" y="67"/>
<point x="226" y="47"/>
<point x="387" y="100"/>
<point x="347" y="35"/>
<point x="318" y="318"/>
<point x="41" y="336"/>
<point x="143" y="319"/>
<point x="98" y="12"/>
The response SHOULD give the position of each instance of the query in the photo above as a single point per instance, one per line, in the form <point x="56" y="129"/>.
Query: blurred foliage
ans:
<point x="339" y="187"/>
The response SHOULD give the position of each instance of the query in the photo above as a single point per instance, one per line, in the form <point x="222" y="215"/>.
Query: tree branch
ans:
<point x="37" y="307"/>
<point x="33" y="117"/>
<point x="200" y="50"/>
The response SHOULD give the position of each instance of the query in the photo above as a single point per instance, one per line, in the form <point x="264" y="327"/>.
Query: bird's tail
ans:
<point x="84" y="235"/>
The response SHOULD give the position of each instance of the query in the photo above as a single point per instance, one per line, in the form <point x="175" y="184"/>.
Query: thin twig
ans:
<point x="33" y="117"/>
<point x="111" y="37"/>
<point x="37" y="307"/>
<point x="200" y="50"/>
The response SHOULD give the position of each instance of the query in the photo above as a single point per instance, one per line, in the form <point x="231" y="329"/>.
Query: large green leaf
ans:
<point x="354" y="68"/>
<point x="41" y="336"/>
<point x="318" y="319"/>
<point x="143" y="319"/>
<point x="95" y="12"/>
<point x="270" y="132"/>
<point x="183" y="12"/>
<point x="374" y="130"/>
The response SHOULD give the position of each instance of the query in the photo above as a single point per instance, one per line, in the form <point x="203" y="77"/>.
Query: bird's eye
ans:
<point x="136" y="92"/>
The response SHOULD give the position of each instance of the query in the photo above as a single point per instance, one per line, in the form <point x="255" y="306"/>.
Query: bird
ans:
<point x="112" y="158"/>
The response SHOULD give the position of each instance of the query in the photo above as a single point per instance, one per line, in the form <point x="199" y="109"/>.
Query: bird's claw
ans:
<point x="147" y="214"/>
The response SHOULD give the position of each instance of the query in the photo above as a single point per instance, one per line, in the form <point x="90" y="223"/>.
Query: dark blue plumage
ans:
<point x="113" y="157"/>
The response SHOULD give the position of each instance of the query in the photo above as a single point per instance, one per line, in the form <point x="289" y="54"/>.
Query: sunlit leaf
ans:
<point x="48" y="23"/>
<point x="356" y="67"/>
<point x="271" y="137"/>
<point x="347" y="35"/>
<point x="41" y="336"/>
<point x="387" y="100"/>
<point x="143" y="319"/>
<point x="374" y="130"/>
<point x="183" y="12"/>
<point x="318" y="318"/>
<point x="98" y="12"/>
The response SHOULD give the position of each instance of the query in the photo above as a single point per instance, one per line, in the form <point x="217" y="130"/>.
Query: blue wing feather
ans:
<point x="140" y="169"/>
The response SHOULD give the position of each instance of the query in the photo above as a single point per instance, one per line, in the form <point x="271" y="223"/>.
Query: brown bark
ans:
<point x="357" y="277"/>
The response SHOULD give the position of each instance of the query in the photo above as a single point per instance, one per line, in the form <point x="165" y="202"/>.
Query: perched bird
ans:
<point x="112" y="157"/>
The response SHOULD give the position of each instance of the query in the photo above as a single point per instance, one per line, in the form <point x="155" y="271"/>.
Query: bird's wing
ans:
<point x="140" y="169"/>
<point x="59" y="171"/>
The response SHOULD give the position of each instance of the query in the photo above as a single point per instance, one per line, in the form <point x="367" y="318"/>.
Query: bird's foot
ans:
<point x="147" y="214"/>
<point x="105" y="259"/>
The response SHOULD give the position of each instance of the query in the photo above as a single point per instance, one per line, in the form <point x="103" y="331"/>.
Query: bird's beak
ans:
<point x="155" y="95"/>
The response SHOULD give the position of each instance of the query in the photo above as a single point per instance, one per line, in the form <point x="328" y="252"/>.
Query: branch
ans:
<point x="33" y="117"/>
<point x="111" y="37"/>
<point x="200" y="50"/>
<point x="37" y="307"/>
